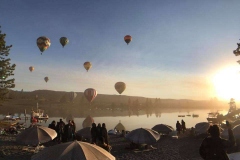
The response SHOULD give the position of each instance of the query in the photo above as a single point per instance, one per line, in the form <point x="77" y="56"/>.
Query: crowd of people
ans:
<point x="67" y="132"/>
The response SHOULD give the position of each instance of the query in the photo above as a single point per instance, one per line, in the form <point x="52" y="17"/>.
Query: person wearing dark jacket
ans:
<point x="99" y="131"/>
<point x="94" y="133"/>
<point x="105" y="134"/>
<point x="214" y="147"/>
<point x="53" y="125"/>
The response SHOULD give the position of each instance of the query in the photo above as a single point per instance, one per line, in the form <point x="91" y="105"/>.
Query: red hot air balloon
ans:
<point x="127" y="39"/>
<point x="90" y="94"/>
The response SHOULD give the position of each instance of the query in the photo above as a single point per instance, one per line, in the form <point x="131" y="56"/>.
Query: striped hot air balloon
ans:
<point x="90" y="94"/>
<point x="127" y="39"/>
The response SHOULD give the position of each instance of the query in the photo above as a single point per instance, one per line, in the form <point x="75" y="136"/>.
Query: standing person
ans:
<point x="68" y="131"/>
<point x="53" y="126"/>
<point x="73" y="130"/>
<point x="99" y="131"/>
<point x="94" y="133"/>
<point x="178" y="127"/>
<point x="104" y="133"/>
<point x="214" y="147"/>
<point x="60" y="130"/>
<point x="183" y="126"/>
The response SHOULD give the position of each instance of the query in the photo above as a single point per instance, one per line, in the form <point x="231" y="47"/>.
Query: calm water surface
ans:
<point x="144" y="121"/>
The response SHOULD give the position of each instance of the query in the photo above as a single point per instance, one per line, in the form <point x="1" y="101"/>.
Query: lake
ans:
<point x="141" y="119"/>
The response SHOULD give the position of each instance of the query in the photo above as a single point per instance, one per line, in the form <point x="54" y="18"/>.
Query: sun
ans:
<point x="227" y="83"/>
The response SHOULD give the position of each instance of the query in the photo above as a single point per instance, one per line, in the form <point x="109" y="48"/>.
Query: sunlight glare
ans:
<point x="227" y="83"/>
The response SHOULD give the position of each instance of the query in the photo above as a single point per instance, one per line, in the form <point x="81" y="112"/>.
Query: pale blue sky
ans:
<point x="177" y="46"/>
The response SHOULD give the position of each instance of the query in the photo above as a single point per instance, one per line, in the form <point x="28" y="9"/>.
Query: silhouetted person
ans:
<point x="102" y="144"/>
<point x="74" y="129"/>
<point x="60" y="130"/>
<point x="104" y="133"/>
<point x="214" y="147"/>
<point x="94" y="133"/>
<point x="183" y="126"/>
<point x="99" y="131"/>
<point x="52" y="125"/>
<point x="178" y="127"/>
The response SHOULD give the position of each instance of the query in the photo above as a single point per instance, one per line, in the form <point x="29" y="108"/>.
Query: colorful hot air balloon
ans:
<point x="64" y="41"/>
<point x="127" y="39"/>
<point x="43" y="43"/>
<point x="87" y="65"/>
<point x="90" y="94"/>
<point x="46" y="79"/>
<point x="120" y="87"/>
<point x="31" y="68"/>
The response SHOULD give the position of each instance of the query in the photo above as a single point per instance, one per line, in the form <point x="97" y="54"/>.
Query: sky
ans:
<point x="179" y="49"/>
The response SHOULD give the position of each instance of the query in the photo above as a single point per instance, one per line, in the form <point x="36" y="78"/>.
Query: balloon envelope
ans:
<point x="31" y="68"/>
<point x="87" y="65"/>
<point x="120" y="87"/>
<point x="46" y="79"/>
<point x="43" y="43"/>
<point x="90" y="94"/>
<point x="64" y="41"/>
<point x="127" y="39"/>
<point x="73" y="95"/>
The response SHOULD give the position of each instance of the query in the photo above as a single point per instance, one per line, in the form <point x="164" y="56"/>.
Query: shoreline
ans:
<point x="167" y="148"/>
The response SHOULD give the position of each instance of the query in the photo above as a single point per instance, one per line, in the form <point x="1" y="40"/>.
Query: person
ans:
<point x="178" y="127"/>
<point x="214" y="147"/>
<point x="52" y="125"/>
<point x="183" y="126"/>
<point x="60" y="130"/>
<point x="105" y="133"/>
<point x="94" y="133"/>
<point x="74" y="129"/>
<point x="68" y="131"/>
<point x="103" y="145"/>
<point x="99" y="131"/>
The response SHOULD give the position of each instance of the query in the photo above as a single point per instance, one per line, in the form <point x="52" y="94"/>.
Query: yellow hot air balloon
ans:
<point x="127" y="39"/>
<point x="120" y="87"/>
<point x="31" y="68"/>
<point x="87" y="65"/>
<point x="46" y="79"/>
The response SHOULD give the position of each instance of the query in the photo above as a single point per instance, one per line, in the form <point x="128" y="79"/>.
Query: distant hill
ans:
<point x="52" y="97"/>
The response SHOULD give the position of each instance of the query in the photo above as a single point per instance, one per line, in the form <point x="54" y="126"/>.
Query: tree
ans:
<point x="6" y="69"/>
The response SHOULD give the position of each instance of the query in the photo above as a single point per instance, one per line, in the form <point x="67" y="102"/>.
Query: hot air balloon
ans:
<point x="120" y="87"/>
<point x="127" y="39"/>
<point x="73" y="95"/>
<point x="87" y="65"/>
<point x="64" y="41"/>
<point x="90" y="94"/>
<point x="43" y="43"/>
<point x="31" y="68"/>
<point x="46" y="79"/>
